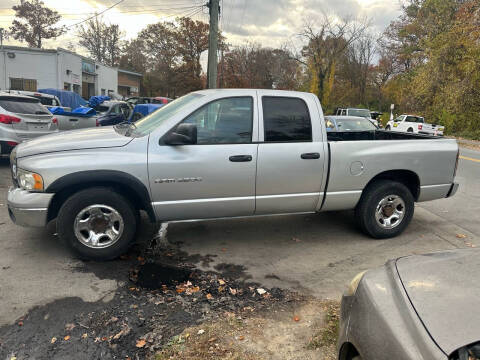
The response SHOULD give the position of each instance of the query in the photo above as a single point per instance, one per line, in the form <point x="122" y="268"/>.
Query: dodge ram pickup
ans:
<point x="223" y="153"/>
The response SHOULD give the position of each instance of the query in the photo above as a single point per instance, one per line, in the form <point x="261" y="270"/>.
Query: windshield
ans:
<point x="398" y="119"/>
<point x="359" y="112"/>
<point x="150" y="122"/>
<point x="355" y="125"/>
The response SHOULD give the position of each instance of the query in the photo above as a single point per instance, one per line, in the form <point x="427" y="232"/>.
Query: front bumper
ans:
<point x="28" y="208"/>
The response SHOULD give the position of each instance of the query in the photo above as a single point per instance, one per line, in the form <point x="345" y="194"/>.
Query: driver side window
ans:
<point x="224" y="121"/>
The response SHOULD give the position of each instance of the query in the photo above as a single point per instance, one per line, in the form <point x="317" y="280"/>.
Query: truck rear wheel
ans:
<point x="97" y="223"/>
<point x="385" y="209"/>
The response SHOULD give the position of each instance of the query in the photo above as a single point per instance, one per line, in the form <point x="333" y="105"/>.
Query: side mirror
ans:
<point x="184" y="134"/>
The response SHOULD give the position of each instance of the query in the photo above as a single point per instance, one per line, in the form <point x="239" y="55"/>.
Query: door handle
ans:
<point x="240" y="158"/>
<point x="73" y="119"/>
<point x="308" y="156"/>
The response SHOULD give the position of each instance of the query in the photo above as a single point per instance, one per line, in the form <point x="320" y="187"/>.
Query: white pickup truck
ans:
<point x="414" y="124"/>
<point x="223" y="153"/>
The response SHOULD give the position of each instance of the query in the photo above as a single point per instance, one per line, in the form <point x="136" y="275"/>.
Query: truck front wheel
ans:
<point x="97" y="223"/>
<point x="385" y="209"/>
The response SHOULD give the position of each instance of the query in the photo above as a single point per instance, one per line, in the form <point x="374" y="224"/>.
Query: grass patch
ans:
<point x="327" y="336"/>
<point x="208" y="341"/>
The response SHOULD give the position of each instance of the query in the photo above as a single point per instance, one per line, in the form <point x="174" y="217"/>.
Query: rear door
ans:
<point x="290" y="155"/>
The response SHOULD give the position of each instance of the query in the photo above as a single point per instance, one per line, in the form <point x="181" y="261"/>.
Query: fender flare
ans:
<point x="89" y="178"/>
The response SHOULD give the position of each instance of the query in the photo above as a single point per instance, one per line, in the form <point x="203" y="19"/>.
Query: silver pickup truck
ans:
<point x="223" y="153"/>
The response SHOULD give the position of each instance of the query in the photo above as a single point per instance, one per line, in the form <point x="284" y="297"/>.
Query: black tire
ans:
<point x="92" y="196"/>
<point x="387" y="128"/>
<point x="410" y="130"/>
<point x="371" y="197"/>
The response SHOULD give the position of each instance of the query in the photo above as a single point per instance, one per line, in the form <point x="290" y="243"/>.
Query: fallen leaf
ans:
<point x="69" y="327"/>
<point x="212" y="339"/>
<point x="125" y="331"/>
<point x="241" y="337"/>
<point x="180" y="290"/>
<point x="66" y="338"/>
<point x="97" y="339"/>
<point x="140" y="258"/>
<point x="20" y="323"/>
<point x="53" y="340"/>
<point x="296" y="318"/>
<point x="233" y="291"/>
<point x="209" y="296"/>
<point x="221" y="288"/>
<point x="200" y="332"/>
<point x="84" y="336"/>
<point x="104" y="338"/>
<point x="461" y="236"/>
<point x="221" y="282"/>
<point x="188" y="283"/>
<point x="133" y="306"/>
<point x="140" y="343"/>
<point x="261" y="291"/>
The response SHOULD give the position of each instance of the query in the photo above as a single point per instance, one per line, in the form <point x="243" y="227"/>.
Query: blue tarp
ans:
<point x="84" y="111"/>
<point x="78" y="112"/>
<point x="67" y="98"/>
<point x="94" y="101"/>
<point x="146" y="109"/>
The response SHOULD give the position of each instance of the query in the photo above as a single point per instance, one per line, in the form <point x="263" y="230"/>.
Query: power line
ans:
<point x="91" y="17"/>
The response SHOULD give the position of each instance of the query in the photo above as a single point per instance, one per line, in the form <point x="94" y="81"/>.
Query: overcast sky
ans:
<point x="268" y="22"/>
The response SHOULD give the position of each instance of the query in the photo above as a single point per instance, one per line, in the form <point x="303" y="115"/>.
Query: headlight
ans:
<point x="352" y="287"/>
<point x="28" y="180"/>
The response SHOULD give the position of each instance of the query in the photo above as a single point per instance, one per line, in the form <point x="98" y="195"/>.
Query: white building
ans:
<point x="32" y="69"/>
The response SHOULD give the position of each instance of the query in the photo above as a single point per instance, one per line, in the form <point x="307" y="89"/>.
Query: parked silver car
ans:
<point x="23" y="118"/>
<point x="223" y="153"/>
<point x="421" y="307"/>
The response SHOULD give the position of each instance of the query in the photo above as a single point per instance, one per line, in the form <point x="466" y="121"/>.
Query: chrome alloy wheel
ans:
<point x="98" y="226"/>
<point x="390" y="211"/>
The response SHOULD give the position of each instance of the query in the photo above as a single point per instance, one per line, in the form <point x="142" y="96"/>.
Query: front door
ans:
<point x="291" y="156"/>
<point x="216" y="176"/>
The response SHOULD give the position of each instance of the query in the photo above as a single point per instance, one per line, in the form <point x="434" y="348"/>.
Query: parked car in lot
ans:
<point x="223" y="153"/>
<point x="22" y="118"/>
<point x="365" y="113"/>
<point x="414" y="124"/>
<point x="45" y="99"/>
<point x="113" y="112"/>
<point x="349" y="123"/>
<point x="420" y="307"/>
<point x="135" y="100"/>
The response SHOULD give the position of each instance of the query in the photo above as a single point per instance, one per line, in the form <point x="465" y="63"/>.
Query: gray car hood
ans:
<point x="91" y="138"/>
<point x="444" y="288"/>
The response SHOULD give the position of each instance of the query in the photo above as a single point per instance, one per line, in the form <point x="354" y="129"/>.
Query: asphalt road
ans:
<point x="313" y="254"/>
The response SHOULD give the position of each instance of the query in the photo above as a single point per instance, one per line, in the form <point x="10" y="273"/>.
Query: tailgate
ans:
<point x="66" y="122"/>
<point x="33" y="122"/>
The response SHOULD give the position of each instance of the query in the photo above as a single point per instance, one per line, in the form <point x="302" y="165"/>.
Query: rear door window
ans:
<point x="23" y="105"/>
<point x="286" y="119"/>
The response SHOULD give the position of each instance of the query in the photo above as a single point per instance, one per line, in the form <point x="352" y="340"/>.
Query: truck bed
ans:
<point x="376" y="135"/>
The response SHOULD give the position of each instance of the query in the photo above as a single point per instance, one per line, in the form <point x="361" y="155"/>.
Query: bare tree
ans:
<point x="102" y="41"/>
<point x="326" y="42"/>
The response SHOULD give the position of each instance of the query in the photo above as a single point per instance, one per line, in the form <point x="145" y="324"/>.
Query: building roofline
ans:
<point x="130" y="72"/>
<point x="22" y="48"/>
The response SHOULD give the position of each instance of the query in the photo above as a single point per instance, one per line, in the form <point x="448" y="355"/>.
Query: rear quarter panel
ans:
<point x="433" y="160"/>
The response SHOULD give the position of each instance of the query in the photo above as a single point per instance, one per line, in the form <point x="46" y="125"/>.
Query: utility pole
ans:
<point x="214" y="8"/>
